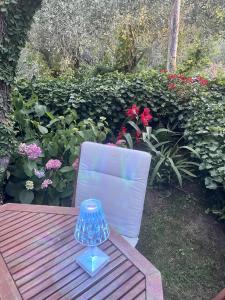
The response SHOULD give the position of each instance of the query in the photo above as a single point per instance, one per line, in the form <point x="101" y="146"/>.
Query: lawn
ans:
<point x="184" y="243"/>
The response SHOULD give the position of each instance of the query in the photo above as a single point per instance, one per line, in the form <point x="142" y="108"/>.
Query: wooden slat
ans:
<point x="40" y="249"/>
<point x="30" y="273"/>
<point x="123" y="268"/>
<point x="136" y="291"/>
<point x="48" y="287"/>
<point x="84" y="283"/>
<point x="21" y="270"/>
<point x="8" y="289"/>
<point x="40" y="236"/>
<point x="127" y="287"/>
<point x="23" y="263"/>
<point x="105" y="291"/>
<point x="26" y="227"/>
<point x="142" y="296"/>
<point x="39" y="245"/>
<point x="61" y="269"/>
<point x="14" y="224"/>
<point x="13" y="242"/>
<point x="7" y="218"/>
<point x="131" y="253"/>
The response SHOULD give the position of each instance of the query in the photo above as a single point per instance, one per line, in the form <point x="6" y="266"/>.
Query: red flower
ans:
<point x="133" y="111"/>
<point x="188" y="80"/>
<point x="172" y="76"/>
<point x="122" y="132"/>
<point x="172" y="86"/>
<point x="182" y="77"/>
<point x="146" y="111"/>
<point x="138" y="135"/>
<point x="163" y="71"/>
<point x="146" y="117"/>
<point x="202" y="80"/>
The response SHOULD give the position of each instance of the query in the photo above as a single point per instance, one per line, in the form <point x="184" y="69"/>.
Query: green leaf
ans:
<point x="129" y="140"/>
<point x="134" y="126"/>
<point x="42" y="129"/>
<point x="156" y="170"/>
<point x="28" y="167"/>
<point x="191" y="150"/>
<point x="40" y="110"/>
<point x="26" y="196"/>
<point x="66" y="169"/>
<point x="179" y="177"/>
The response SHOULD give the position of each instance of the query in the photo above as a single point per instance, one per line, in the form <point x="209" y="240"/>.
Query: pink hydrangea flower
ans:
<point x="53" y="164"/>
<point x="46" y="183"/>
<point x="76" y="164"/>
<point x="39" y="174"/>
<point x="32" y="151"/>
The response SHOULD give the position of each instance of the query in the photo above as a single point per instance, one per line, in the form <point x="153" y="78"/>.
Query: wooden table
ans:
<point x="37" y="260"/>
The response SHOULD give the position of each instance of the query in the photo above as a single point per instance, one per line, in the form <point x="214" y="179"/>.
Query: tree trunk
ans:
<point x="173" y="36"/>
<point x="4" y="109"/>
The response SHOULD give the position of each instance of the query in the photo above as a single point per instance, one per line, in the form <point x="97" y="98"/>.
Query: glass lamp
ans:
<point x="91" y="230"/>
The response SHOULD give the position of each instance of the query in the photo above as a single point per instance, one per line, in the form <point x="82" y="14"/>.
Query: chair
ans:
<point x="118" y="177"/>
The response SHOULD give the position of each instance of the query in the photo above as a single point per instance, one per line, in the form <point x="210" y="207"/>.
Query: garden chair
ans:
<point x="118" y="177"/>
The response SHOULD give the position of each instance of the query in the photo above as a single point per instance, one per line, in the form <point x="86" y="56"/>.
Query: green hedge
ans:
<point x="110" y="95"/>
<point x="198" y="110"/>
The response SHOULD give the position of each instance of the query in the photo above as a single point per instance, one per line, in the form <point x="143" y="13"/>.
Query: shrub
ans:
<point x="171" y="159"/>
<point x="205" y="131"/>
<point x="41" y="170"/>
<point x="110" y="94"/>
<point x="192" y="106"/>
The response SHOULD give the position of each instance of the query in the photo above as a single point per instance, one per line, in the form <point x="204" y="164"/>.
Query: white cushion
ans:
<point x="118" y="178"/>
<point x="132" y="241"/>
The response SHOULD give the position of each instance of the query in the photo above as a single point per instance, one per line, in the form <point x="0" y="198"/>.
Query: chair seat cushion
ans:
<point x="132" y="241"/>
<point x="118" y="178"/>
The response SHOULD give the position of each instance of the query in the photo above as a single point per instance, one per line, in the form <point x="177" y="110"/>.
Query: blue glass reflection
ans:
<point x="91" y="227"/>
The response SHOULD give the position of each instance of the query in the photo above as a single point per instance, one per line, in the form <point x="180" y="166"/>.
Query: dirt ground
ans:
<point x="184" y="243"/>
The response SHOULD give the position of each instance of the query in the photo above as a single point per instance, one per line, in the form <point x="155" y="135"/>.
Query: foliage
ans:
<point x="15" y="20"/>
<point x="69" y="35"/>
<point x="205" y="130"/>
<point x="18" y="15"/>
<point x="60" y="138"/>
<point x="110" y="94"/>
<point x="191" y="104"/>
<point x="171" y="159"/>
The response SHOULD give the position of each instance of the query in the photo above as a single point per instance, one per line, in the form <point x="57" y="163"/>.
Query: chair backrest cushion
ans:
<point x="118" y="178"/>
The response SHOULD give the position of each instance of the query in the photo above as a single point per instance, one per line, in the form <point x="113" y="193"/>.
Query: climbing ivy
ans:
<point x="15" y="20"/>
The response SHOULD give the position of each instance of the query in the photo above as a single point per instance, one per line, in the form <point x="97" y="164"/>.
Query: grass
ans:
<point x="185" y="244"/>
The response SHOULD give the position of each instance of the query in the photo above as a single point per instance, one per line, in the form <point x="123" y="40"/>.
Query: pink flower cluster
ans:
<point x="32" y="151"/>
<point x="53" y="164"/>
<point x="46" y="183"/>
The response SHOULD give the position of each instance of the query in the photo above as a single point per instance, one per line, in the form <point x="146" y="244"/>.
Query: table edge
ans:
<point x="133" y="254"/>
<point x="60" y="210"/>
<point x="9" y="290"/>
<point x="154" y="288"/>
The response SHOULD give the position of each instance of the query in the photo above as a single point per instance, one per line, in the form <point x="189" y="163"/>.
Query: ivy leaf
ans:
<point x="40" y="110"/>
